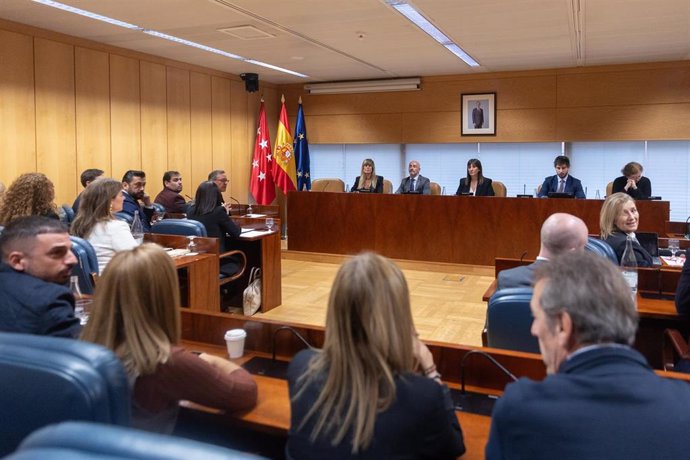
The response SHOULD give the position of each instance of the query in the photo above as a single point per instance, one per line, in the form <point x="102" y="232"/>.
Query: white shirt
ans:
<point x="109" y="237"/>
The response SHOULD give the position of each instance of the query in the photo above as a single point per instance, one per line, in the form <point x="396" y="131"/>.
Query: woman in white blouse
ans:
<point x="96" y="224"/>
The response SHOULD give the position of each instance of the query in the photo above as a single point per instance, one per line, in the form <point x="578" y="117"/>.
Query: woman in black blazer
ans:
<point x="368" y="181"/>
<point x="632" y="182"/>
<point x="475" y="182"/>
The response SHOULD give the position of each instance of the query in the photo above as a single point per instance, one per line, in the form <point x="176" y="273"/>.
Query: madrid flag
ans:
<point x="284" y="170"/>
<point x="261" y="184"/>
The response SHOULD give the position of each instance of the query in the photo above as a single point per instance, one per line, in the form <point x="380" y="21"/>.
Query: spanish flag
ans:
<point x="284" y="170"/>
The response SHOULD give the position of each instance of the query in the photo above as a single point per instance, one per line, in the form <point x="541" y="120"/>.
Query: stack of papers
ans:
<point x="254" y="233"/>
<point x="673" y="262"/>
<point x="178" y="252"/>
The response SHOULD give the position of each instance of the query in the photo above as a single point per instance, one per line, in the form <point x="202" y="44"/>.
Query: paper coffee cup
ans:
<point x="234" y="339"/>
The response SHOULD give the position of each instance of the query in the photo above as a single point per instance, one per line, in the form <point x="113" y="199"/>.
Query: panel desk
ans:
<point x="454" y="229"/>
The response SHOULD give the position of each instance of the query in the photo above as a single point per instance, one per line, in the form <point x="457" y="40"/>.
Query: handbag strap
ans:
<point x="254" y="274"/>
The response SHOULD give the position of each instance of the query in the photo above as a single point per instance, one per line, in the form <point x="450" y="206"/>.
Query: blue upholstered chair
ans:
<point x="87" y="266"/>
<point x="83" y="440"/>
<point x="123" y="216"/>
<point x="68" y="214"/>
<point x="48" y="380"/>
<point x="509" y="319"/>
<point x="157" y="207"/>
<point x="184" y="227"/>
<point x="602" y="248"/>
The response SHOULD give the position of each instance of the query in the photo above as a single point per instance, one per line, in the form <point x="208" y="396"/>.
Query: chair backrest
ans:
<point x="157" y="207"/>
<point x="87" y="263"/>
<point x="609" y="188"/>
<point x="95" y="441"/>
<point x="124" y="217"/>
<point x="69" y="214"/>
<point x="184" y="227"/>
<point x="602" y="248"/>
<point x="327" y="185"/>
<point x="509" y="319"/>
<point x="48" y="380"/>
<point x="499" y="188"/>
<point x="387" y="186"/>
<point x="435" y="188"/>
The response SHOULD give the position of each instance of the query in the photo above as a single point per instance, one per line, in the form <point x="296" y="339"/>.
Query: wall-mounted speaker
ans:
<point x="251" y="81"/>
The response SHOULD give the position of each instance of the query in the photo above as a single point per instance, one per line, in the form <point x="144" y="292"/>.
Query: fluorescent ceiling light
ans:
<point x="423" y="23"/>
<point x="162" y="35"/>
<point x="364" y="86"/>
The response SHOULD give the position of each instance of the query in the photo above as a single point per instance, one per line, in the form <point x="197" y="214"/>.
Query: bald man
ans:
<point x="560" y="233"/>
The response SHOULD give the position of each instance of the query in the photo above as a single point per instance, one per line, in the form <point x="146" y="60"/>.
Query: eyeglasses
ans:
<point x="222" y="180"/>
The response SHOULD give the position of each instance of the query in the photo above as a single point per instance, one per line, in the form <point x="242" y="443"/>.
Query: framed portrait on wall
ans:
<point x="478" y="114"/>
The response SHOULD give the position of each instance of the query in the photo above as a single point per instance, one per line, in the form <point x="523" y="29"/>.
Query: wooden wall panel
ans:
<point x="221" y="114"/>
<point x="242" y="130"/>
<point x="56" y="153"/>
<point x="379" y="128"/>
<point x="154" y="125"/>
<point x="125" y="115"/>
<point x="17" y="116"/>
<point x="201" y="130"/>
<point x="92" y="115"/>
<point x="179" y="129"/>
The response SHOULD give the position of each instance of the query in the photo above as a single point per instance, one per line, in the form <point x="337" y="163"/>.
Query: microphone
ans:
<point x="585" y="191"/>
<point x="687" y="229"/>
<point x="235" y="200"/>
<point x="487" y="356"/>
<point x="524" y="189"/>
<point x="294" y="332"/>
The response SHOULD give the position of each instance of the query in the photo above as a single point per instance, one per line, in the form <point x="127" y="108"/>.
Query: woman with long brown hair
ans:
<point x="31" y="194"/>
<point x="373" y="390"/>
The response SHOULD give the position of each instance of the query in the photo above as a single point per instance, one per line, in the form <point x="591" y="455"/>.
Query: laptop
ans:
<point x="561" y="195"/>
<point x="650" y="241"/>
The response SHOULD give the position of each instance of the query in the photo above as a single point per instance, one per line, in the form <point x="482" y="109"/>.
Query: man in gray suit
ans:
<point x="560" y="233"/>
<point x="415" y="183"/>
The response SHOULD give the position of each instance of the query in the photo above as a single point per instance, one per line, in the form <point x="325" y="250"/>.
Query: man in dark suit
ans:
<point x="87" y="176"/>
<point x="415" y="183"/>
<point x="600" y="398"/>
<point x="683" y="290"/>
<point x="134" y="191"/>
<point x="562" y="182"/>
<point x="170" y="197"/>
<point x="478" y="116"/>
<point x="560" y="233"/>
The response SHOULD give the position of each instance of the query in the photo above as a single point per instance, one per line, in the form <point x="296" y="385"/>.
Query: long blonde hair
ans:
<point x="136" y="309"/>
<point x="368" y="342"/>
<point x="609" y="212"/>
<point x="31" y="194"/>
<point x="374" y="177"/>
<point x="95" y="205"/>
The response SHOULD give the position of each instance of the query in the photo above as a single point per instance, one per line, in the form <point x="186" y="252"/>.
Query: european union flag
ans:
<point x="301" y="147"/>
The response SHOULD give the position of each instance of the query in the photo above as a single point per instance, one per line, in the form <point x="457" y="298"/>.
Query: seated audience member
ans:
<point x="216" y="220"/>
<point x="618" y="219"/>
<point x="683" y="290"/>
<point x="475" y="183"/>
<point x="31" y="194"/>
<point x="134" y="185"/>
<point x="415" y="182"/>
<point x="600" y="399"/>
<point x="97" y="224"/>
<point x="87" y="176"/>
<point x="632" y="182"/>
<point x="368" y="181"/>
<point x="373" y="390"/>
<point x="560" y="233"/>
<point x="136" y="313"/>
<point x="562" y="182"/>
<point x="170" y="197"/>
<point x="218" y="177"/>
<point x="37" y="261"/>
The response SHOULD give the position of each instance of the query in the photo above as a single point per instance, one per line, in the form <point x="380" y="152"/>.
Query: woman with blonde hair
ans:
<point x="618" y="219"/>
<point x="96" y="223"/>
<point x="632" y="182"/>
<point x="31" y="194"/>
<point x="368" y="181"/>
<point x="136" y="313"/>
<point x="373" y="390"/>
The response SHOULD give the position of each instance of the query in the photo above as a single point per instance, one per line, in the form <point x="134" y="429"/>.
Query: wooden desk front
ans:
<point x="467" y="230"/>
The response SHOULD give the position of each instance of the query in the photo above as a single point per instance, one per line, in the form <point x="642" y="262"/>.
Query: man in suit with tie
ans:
<point x="560" y="233"/>
<point x="562" y="182"/>
<point x="415" y="183"/>
<point x="600" y="398"/>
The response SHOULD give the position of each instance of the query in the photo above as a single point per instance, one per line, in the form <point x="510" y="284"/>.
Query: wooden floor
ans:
<point x="447" y="301"/>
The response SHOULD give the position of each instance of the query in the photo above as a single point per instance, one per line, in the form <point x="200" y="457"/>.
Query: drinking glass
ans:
<point x="269" y="223"/>
<point x="673" y="246"/>
<point x="192" y="247"/>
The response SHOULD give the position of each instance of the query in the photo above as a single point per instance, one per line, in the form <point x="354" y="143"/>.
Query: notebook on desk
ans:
<point x="650" y="241"/>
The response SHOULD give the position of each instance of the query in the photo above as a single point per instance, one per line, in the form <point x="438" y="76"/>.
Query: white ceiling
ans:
<point x="332" y="40"/>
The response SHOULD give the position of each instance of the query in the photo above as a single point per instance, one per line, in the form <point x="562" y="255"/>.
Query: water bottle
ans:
<point x="78" y="300"/>
<point x="250" y="211"/>
<point x="137" y="228"/>
<point x="629" y="267"/>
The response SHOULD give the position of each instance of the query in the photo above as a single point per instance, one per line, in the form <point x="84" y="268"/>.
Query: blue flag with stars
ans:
<point x="301" y="147"/>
